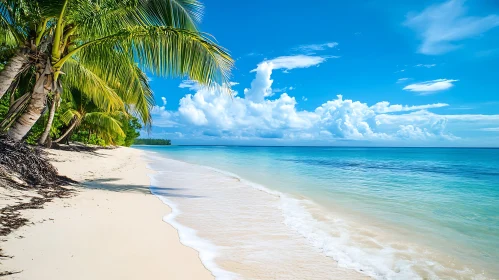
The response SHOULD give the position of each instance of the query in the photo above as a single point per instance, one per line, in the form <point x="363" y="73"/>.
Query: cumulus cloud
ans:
<point x="164" y="100"/>
<point x="430" y="87"/>
<point x="261" y="86"/>
<point x="211" y="112"/>
<point x="163" y="117"/>
<point x="443" y="26"/>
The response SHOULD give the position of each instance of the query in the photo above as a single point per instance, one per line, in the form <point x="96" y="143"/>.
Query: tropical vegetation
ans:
<point x="149" y="141"/>
<point x="75" y="70"/>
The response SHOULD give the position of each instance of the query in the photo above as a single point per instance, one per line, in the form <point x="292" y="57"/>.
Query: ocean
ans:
<point x="334" y="212"/>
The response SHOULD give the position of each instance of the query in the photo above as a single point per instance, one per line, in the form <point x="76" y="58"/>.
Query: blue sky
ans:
<point x="375" y="72"/>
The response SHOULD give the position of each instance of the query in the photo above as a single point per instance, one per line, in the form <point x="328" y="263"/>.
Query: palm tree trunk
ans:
<point x="12" y="98"/>
<point x="69" y="130"/>
<point x="16" y="108"/>
<point x="36" y="105"/>
<point x="11" y="70"/>
<point x="50" y="120"/>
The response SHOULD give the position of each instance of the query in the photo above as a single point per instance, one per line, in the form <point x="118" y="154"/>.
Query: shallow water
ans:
<point x="318" y="213"/>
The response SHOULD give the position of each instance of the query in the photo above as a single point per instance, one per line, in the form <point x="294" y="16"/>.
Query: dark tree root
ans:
<point x="27" y="168"/>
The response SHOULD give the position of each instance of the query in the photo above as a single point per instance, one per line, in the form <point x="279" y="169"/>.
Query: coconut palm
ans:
<point x="160" y="35"/>
<point x="83" y="111"/>
<point x="20" y="37"/>
<point x="129" y="91"/>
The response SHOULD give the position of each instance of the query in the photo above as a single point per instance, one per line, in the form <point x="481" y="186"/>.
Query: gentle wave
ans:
<point x="332" y="236"/>
<point x="188" y="236"/>
<point x="379" y="264"/>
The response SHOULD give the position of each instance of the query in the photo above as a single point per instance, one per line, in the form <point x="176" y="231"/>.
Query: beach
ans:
<point x="111" y="228"/>
<point x="298" y="213"/>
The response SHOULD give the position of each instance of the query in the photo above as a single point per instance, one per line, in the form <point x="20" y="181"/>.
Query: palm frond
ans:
<point x="122" y="73"/>
<point x="11" y="24"/>
<point x="82" y="77"/>
<point x="70" y="115"/>
<point x="107" y="17"/>
<point x="50" y="8"/>
<point x="172" y="13"/>
<point x="141" y="98"/>
<point x="106" y="124"/>
<point x="169" y="52"/>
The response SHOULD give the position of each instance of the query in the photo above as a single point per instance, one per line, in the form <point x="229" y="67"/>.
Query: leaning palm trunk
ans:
<point x="16" y="108"/>
<point x="25" y="122"/>
<point x="68" y="131"/>
<point x="11" y="70"/>
<point x="53" y="108"/>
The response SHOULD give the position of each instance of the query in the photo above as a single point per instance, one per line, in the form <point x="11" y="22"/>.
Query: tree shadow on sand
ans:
<point x="109" y="184"/>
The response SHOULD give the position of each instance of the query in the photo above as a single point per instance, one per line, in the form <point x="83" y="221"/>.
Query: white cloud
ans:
<point x="210" y="112"/>
<point x="490" y="129"/>
<point x="164" y="100"/>
<point x="385" y="107"/>
<point x="401" y="80"/>
<point x="295" y="61"/>
<point x="411" y="132"/>
<point x="261" y="86"/>
<point x="190" y="84"/>
<point x="163" y="117"/>
<point x="443" y="26"/>
<point x="348" y="119"/>
<point x="317" y="47"/>
<point x="425" y="65"/>
<point x="430" y="87"/>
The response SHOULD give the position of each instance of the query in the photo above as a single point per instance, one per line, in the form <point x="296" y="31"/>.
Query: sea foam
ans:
<point x="188" y="236"/>
<point x="331" y="234"/>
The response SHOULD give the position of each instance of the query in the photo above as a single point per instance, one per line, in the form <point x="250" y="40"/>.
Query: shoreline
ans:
<point x="363" y="243"/>
<point x="139" y="214"/>
<point x="111" y="228"/>
<point x="238" y="247"/>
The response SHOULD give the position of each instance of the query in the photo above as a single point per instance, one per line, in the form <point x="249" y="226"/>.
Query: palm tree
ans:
<point x="19" y="39"/>
<point x="84" y="111"/>
<point x="161" y="35"/>
<point x="130" y="92"/>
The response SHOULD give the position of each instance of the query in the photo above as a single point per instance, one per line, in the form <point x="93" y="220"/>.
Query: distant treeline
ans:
<point x="142" y="141"/>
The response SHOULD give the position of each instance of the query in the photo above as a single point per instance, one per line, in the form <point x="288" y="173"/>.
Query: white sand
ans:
<point x="112" y="228"/>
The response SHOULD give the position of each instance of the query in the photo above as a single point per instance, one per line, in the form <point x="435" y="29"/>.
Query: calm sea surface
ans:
<point x="388" y="213"/>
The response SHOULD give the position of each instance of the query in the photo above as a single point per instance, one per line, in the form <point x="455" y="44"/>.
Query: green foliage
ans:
<point x="131" y="130"/>
<point x="100" y="46"/>
<point x="164" y="142"/>
<point x="87" y="137"/>
<point x="36" y="131"/>
<point x="4" y="106"/>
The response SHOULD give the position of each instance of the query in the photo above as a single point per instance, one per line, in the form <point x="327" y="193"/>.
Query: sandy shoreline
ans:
<point x="111" y="229"/>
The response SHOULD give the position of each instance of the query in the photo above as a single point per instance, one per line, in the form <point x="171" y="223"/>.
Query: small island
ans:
<point x="156" y="142"/>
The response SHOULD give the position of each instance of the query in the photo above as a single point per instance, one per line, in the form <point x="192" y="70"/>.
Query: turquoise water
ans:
<point x="446" y="199"/>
